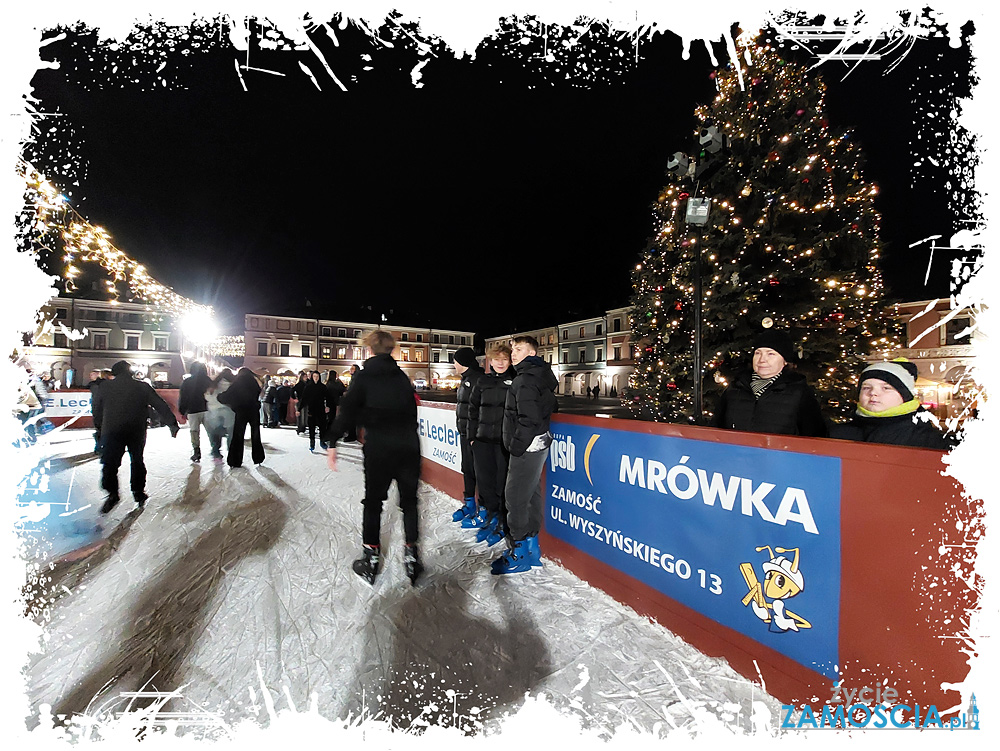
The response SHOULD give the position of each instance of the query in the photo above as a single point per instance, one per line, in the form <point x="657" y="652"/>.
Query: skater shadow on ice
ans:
<point x="171" y="614"/>
<point x="425" y="660"/>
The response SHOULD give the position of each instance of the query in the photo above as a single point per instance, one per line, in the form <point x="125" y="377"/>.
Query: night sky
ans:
<point x="502" y="195"/>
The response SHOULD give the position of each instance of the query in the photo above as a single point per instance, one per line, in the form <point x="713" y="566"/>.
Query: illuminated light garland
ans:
<point x="84" y="242"/>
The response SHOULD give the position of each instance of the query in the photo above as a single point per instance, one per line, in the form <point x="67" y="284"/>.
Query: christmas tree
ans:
<point x="791" y="242"/>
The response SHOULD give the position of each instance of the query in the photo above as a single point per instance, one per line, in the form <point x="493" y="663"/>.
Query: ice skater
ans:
<point x="192" y="405"/>
<point x="241" y="397"/>
<point x="121" y="410"/>
<point x="467" y="366"/>
<point x="381" y="400"/>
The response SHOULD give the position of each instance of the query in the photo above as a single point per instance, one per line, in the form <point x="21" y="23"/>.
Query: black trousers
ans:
<point x="382" y="466"/>
<point x="316" y="423"/>
<point x="468" y="469"/>
<point x="115" y="446"/>
<point x="244" y="418"/>
<point x="492" y="461"/>
<point x="524" y="494"/>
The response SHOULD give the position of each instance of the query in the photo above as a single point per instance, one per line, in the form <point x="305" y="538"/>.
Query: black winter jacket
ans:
<point x="486" y="407"/>
<point x="299" y="386"/>
<point x="787" y="407"/>
<point x="464" y="397"/>
<point x="192" y="397"/>
<point x="902" y="430"/>
<point x="315" y="397"/>
<point x="530" y="402"/>
<point x="269" y="393"/>
<point x="121" y="405"/>
<point x="243" y="396"/>
<point x="381" y="399"/>
<point x="336" y="388"/>
<point x="283" y="395"/>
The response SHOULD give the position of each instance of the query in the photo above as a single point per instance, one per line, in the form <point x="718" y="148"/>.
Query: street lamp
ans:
<point x="697" y="215"/>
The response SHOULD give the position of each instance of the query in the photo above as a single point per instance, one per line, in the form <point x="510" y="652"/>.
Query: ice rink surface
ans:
<point x="232" y="580"/>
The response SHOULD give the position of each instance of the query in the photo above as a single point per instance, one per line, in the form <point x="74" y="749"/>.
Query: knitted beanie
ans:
<point x="466" y="357"/>
<point x="777" y="340"/>
<point x="901" y="374"/>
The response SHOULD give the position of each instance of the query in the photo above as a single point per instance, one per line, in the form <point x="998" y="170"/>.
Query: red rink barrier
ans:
<point x="903" y="602"/>
<point x="60" y="410"/>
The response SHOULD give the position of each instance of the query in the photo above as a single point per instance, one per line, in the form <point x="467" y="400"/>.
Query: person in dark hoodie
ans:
<point x="529" y="405"/>
<point x="382" y="400"/>
<point x="771" y="398"/>
<point x="467" y="366"/>
<point x="486" y="412"/>
<point x="888" y="411"/>
<point x="120" y="411"/>
<point x="191" y="403"/>
<point x="282" y="397"/>
<point x="300" y="409"/>
<point x="96" y="378"/>
<point x="242" y="398"/>
<point x="315" y="399"/>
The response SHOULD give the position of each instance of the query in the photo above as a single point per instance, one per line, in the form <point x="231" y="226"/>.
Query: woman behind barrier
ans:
<point x="771" y="398"/>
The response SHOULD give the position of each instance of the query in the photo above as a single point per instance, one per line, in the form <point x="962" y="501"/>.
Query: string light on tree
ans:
<point x="792" y="239"/>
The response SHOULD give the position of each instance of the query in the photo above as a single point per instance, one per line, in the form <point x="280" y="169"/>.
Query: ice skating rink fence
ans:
<point x="899" y="605"/>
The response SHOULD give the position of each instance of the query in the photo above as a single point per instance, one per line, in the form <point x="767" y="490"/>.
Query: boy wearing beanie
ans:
<point x="888" y="411"/>
<point x="467" y="366"/>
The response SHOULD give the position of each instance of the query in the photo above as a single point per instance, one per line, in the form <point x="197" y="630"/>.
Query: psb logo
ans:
<point x="782" y="581"/>
<point x="562" y="454"/>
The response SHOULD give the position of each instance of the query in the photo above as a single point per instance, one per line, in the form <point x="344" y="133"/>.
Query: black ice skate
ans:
<point x="411" y="559"/>
<point x="110" y="503"/>
<point x="141" y="498"/>
<point x="367" y="565"/>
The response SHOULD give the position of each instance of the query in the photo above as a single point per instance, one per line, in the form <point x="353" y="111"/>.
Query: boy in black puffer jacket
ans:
<point x="485" y="434"/>
<point x="530" y="402"/>
<point x="467" y="366"/>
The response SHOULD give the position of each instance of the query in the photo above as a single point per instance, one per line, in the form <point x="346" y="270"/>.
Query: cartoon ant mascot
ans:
<point x="782" y="581"/>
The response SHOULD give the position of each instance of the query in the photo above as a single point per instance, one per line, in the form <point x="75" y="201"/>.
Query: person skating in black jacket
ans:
<point x="888" y="411"/>
<point x="121" y="410"/>
<point x="771" y="398"/>
<point x="301" y="417"/>
<point x="467" y="366"/>
<point x="485" y="433"/>
<point x="191" y="403"/>
<point x="382" y="400"/>
<point x="315" y="399"/>
<point x="530" y="402"/>
<point x="242" y="398"/>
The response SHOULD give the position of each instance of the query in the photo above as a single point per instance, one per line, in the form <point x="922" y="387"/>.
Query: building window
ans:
<point x="418" y="354"/>
<point x="565" y="357"/>
<point x="59" y="340"/>
<point x="435" y="357"/>
<point x="404" y="337"/>
<point x="437" y="338"/>
<point x="954" y="328"/>
<point x="581" y="331"/>
<point x="160" y="343"/>
<point x="103" y="315"/>
<point x="262" y="349"/>
<point x="463" y="340"/>
<point x="357" y="353"/>
<point x="451" y="357"/>
<point x="551" y="339"/>
<point x="404" y="355"/>
<point x="306" y="350"/>
<point x="600" y="355"/>
<point x="274" y="349"/>
<point x="583" y="355"/>
<point x="341" y="353"/>
<point x="326" y="350"/>
<point x="61" y="313"/>
<point x="420" y="337"/>
<point x="132" y="341"/>
<point x="284" y="349"/>
<point x="618" y="324"/>
<point x="618" y="353"/>
<point x="132" y="318"/>
<point x="565" y="334"/>
<point x="341" y="332"/>
<point x="451" y="339"/>
<point x="357" y="333"/>
<point x="326" y="331"/>
<point x="599" y="330"/>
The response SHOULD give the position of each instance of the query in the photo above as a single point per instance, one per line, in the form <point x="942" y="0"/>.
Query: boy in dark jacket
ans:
<point x="467" y="366"/>
<point x="530" y="402"/>
<point x="381" y="399"/>
<point x="120" y="410"/>
<point x="486" y="412"/>
<point x="192" y="405"/>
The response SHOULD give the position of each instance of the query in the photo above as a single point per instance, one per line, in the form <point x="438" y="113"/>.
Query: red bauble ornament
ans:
<point x="800" y="113"/>
<point x="712" y="74"/>
<point x="682" y="196"/>
<point x="773" y="282"/>
<point x="672" y="386"/>
<point x="773" y="156"/>
<point x="854" y="226"/>
<point x="805" y="179"/>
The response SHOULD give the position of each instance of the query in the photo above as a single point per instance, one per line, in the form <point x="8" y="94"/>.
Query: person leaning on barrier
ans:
<point x="888" y="412"/>
<point x="771" y="398"/>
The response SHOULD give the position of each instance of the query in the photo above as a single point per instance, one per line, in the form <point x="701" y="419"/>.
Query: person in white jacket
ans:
<point x="220" y="417"/>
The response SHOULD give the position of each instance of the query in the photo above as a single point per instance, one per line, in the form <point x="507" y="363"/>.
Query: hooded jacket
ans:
<point x="192" y="397"/>
<point x="486" y="406"/>
<point x="463" y="397"/>
<point x="380" y="399"/>
<point x="121" y="405"/>
<point x="787" y="407"/>
<point x="243" y="394"/>
<point x="315" y="397"/>
<point x="529" y="404"/>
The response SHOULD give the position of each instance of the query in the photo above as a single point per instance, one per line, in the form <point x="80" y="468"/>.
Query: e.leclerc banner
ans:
<point x="439" y="438"/>
<point x="748" y="537"/>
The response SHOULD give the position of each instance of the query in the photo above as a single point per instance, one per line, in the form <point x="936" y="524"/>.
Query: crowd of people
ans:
<point x="502" y="417"/>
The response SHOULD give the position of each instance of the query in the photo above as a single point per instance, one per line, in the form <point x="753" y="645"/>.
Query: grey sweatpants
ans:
<point x="523" y="493"/>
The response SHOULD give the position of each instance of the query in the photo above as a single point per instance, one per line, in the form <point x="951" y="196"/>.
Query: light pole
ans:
<point x="697" y="215"/>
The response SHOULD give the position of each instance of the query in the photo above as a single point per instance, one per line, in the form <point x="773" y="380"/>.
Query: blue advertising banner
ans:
<point x="748" y="537"/>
